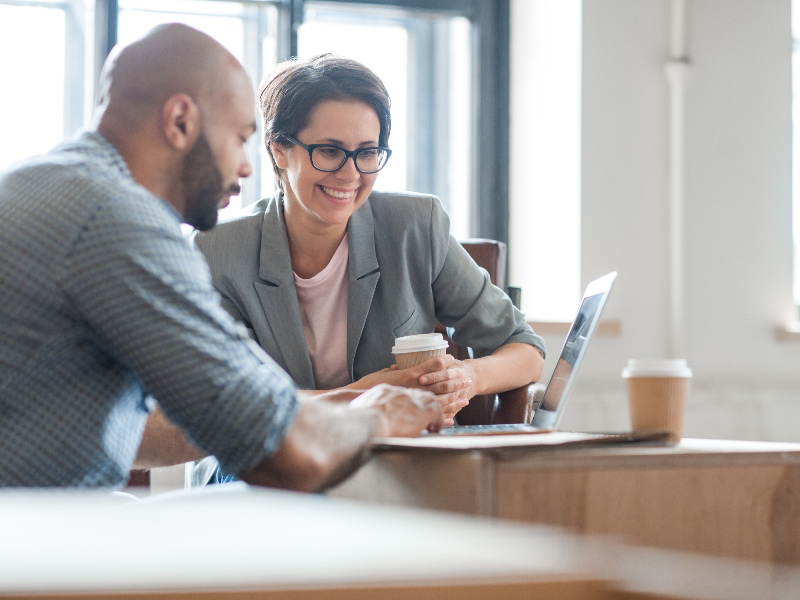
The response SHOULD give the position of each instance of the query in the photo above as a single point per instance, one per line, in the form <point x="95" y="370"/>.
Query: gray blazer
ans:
<point x="405" y="271"/>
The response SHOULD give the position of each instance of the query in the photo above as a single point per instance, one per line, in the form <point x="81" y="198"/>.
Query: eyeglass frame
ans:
<point x="347" y="154"/>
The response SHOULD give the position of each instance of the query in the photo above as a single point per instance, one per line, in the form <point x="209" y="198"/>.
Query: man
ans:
<point x="103" y="303"/>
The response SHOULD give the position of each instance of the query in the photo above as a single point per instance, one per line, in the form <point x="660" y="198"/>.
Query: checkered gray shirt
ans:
<point x="103" y="303"/>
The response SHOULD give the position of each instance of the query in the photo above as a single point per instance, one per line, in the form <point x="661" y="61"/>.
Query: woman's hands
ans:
<point x="451" y="380"/>
<point x="454" y="385"/>
<point x="455" y="382"/>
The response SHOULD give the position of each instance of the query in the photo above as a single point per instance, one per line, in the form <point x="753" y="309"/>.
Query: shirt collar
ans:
<point x="115" y="160"/>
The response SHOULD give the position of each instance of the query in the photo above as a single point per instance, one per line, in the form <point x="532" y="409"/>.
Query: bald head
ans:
<point x="138" y="78"/>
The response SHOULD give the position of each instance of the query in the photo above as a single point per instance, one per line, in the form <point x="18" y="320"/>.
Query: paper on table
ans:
<point x="544" y="440"/>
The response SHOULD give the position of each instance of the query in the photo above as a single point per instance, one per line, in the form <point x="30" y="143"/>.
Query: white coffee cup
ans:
<point x="412" y="350"/>
<point x="657" y="392"/>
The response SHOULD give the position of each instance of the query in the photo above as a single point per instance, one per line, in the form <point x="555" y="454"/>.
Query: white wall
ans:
<point x="736" y="281"/>
<point x="545" y="108"/>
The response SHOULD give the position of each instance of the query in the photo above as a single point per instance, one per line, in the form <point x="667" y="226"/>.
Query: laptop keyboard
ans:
<point x="490" y="429"/>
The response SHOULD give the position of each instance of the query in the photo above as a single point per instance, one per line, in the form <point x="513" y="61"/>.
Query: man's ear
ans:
<point x="181" y="121"/>
<point x="279" y="154"/>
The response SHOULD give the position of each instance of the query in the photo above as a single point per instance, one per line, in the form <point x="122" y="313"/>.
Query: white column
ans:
<point x="676" y="70"/>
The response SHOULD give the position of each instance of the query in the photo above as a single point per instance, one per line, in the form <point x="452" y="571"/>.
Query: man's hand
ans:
<point x="402" y="412"/>
<point x="329" y="440"/>
<point x="449" y="379"/>
<point x="164" y="444"/>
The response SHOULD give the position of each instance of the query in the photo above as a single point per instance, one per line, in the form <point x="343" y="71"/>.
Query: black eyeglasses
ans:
<point x="329" y="158"/>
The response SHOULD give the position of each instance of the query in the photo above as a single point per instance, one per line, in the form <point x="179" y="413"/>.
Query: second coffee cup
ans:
<point x="412" y="350"/>
<point x="657" y="391"/>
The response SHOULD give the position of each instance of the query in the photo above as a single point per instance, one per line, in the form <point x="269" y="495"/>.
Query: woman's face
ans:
<point x="328" y="199"/>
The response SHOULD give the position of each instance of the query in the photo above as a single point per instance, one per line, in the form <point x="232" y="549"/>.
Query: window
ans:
<point x="545" y="157"/>
<point x="46" y="95"/>
<point x="424" y="60"/>
<point x="796" y="146"/>
<point x="446" y="66"/>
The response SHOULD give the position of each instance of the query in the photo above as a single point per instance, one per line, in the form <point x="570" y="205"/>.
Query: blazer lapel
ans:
<point x="278" y="296"/>
<point x="364" y="275"/>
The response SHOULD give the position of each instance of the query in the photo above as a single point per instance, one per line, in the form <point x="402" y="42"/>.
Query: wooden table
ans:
<point x="235" y="543"/>
<point x="721" y="498"/>
<point x="240" y="543"/>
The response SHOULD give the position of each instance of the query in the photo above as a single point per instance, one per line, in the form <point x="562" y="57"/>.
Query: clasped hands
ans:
<point x="451" y="380"/>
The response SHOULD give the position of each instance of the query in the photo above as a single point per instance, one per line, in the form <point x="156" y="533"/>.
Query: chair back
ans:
<point x="490" y="255"/>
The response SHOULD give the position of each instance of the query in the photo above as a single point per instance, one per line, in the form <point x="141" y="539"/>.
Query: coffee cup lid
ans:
<point x="418" y="343"/>
<point x="656" y="367"/>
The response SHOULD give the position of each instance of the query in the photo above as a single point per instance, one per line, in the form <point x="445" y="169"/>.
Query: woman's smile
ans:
<point x="337" y="195"/>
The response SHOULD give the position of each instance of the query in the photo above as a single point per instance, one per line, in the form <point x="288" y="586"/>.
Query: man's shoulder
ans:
<point x="57" y="167"/>
<point x="80" y="172"/>
<point x="61" y="187"/>
<point x="84" y="157"/>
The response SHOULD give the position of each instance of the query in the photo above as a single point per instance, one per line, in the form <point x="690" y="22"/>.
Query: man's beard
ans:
<point x="202" y="181"/>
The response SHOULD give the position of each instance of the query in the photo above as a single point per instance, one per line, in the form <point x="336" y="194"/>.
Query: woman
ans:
<point x="326" y="273"/>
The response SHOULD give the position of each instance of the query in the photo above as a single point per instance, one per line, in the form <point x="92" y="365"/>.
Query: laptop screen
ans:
<point x="551" y="408"/>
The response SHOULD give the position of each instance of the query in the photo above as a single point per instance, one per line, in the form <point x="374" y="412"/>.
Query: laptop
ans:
<point x="551" y="409"/>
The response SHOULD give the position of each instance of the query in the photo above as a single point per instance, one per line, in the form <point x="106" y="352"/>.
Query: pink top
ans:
<point x="323" y="309"/>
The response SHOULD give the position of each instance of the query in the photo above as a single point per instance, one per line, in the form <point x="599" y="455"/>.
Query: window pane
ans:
<point x="796" y="171"/>
<point x="545" y="162"/>
<point x="796" y="148"/>
<point x="795" y="20"/>
<point x="221" y="20"/>
<point x="459" y="168"/>
<point x="31" y="111"/>
<point x="425" y="61"/>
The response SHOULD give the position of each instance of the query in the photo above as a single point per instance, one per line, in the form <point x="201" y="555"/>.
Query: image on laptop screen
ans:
<point x="548" y="413"/>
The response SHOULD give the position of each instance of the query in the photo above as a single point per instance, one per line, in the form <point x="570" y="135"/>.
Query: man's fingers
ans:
<point x="405" y="411"/>
<point x="437" y="427"/>
<point x="430" y="405"/>
<point x="435" y="417"/>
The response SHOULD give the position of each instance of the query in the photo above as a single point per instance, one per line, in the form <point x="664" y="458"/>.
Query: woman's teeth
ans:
<point x="336" y="194"/>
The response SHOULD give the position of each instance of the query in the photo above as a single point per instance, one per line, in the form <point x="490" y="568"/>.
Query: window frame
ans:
<point x="489" y="168"/>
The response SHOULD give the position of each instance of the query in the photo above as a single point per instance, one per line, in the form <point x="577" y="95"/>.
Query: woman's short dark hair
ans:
<point x="290" y="93"/>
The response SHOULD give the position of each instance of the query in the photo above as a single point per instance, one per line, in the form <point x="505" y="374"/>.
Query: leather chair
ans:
<point x="512" y="406"/>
